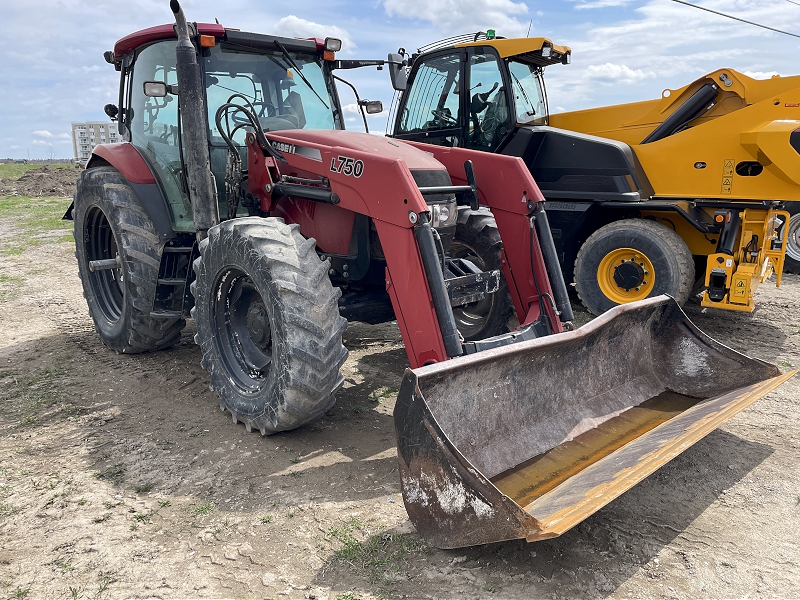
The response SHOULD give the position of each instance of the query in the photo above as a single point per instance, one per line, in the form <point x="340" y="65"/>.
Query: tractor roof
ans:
<point x="528" y="49"/>
<point x="163" y="32"/>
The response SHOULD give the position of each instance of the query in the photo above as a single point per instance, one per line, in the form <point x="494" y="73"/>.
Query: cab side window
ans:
<point x="154" y="125"/>
<point x="489" y="117"/>
<point x="433" y="102"/>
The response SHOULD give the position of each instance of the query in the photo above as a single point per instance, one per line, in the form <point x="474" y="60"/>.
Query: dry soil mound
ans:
<point x="47" y="181"/>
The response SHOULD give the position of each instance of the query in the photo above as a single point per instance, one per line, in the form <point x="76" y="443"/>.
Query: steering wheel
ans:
<point x="445" y="117"/>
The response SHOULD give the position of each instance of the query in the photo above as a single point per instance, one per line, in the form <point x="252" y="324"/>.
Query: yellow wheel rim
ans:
<point x="626" y="275"/>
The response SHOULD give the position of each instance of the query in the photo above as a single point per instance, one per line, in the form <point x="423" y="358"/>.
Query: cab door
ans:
<point x="489" y="118"/>
<point x="433" y="109"/>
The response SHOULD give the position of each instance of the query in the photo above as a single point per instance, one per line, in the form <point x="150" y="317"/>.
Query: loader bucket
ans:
<point x="527" y="440"/>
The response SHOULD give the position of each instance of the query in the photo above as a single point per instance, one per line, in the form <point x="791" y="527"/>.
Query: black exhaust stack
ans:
<point x="199" y="179"/>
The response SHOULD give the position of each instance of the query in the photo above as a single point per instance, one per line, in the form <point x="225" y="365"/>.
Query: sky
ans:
<point x="52" y="69"/>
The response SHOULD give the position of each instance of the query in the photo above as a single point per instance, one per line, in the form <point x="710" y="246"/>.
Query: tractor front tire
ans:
<point x="268" y="323"/>
<point x="792" y="262"/>
<point x="477" y="239"/>
<point x="631" y="260"/>
<point x="110" y="222"/>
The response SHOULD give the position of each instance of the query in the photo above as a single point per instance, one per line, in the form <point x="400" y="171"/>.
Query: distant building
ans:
<point x="86" y="136"/>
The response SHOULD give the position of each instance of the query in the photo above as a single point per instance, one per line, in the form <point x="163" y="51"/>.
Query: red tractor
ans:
<point x="236" y="198"/>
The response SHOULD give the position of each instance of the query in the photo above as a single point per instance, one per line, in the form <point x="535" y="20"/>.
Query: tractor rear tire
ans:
<point x="268" y="323"/>
<point x="631" y="260"/>
<point x="792" y="262"/>
<point x="109" y="221"/>
<point x="478" y="240"/>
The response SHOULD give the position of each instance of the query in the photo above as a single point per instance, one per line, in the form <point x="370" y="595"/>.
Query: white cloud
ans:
<point x="462" y="16"/>
<point x="761" y="74"/>
<point x="666" y="45"/>
<point x="612" y="74"/>
<point x="602" y="4"/>
<point x="351" y="109"/>
<point x="292" y="26"/>
<point x="51" y="136"/>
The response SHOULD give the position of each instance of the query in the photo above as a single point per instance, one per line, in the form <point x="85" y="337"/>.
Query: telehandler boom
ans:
<point x="700" y="188"/>
<point x="238" y="199"/>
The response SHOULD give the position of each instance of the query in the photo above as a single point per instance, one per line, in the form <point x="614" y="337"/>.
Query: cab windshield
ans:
<point x="529" y="94"/>
<point x="282" y="97"/>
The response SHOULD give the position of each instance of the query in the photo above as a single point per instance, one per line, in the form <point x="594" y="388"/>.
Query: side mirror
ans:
<point x="158" y="89"/>
<point x="112" y="111"/>
<point x="373" y="107"/>
<point x="397" y="72"/>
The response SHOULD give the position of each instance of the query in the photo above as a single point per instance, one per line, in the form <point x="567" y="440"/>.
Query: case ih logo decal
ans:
<point x="347" y="166"/>
<point x="284" y="147"/>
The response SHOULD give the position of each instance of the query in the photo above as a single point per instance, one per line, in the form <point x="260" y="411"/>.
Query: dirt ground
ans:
<point x="121" y="478"/>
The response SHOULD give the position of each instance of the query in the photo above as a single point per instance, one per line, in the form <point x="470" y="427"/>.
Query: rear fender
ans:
<point x="125" y="158"/>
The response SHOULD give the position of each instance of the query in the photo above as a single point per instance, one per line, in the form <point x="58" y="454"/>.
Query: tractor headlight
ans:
<point x="333" y="44"/>
<point x="444" y="215"/>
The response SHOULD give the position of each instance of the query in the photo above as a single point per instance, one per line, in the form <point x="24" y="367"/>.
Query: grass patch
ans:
<point x="383" y="393"/>
<point x="22" y="592"/>
<point x="163" y="503"/>
<point x="143" y="489"/>
<point x="34" y="221"/>
<point x="114" y="474"/>
<point x="267" y="519"/>
<point x="64" y="563"/>
<point x="204" y="508"/>
<point x="378" y="557"/>
<point x="10" y="287"/>
<point x="29" y="399"/>
<point x="102" y="518"/>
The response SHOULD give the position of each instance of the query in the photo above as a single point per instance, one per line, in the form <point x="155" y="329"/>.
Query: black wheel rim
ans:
<point x="243" y="329"/>
<point x="108" y="286"/>
<point x="471" y="318"/>
<point x="793" y="237"/>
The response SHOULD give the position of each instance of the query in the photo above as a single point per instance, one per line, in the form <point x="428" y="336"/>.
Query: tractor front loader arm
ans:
<point x="530" y="263"/>
<point x="383" y="189"/>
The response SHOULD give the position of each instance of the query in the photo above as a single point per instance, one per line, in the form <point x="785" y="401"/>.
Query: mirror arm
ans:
<point x="358" y="99"/>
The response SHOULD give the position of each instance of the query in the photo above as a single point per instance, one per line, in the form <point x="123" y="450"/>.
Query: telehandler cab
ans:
<point x="643" y="198"/>
<point x="238" y="199"/>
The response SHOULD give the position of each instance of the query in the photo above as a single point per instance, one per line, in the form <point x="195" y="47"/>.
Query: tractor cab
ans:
<point x="285" y="82"/>
<point x="459" y="92"/>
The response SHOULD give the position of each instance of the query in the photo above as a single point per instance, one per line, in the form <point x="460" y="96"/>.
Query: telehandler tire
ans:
<point x="478" y="240"/>
<point x="631" y="260"/>
<point x="109" y="221"/>
<point x="268" y="323"/>
<point x="792" y="262"/>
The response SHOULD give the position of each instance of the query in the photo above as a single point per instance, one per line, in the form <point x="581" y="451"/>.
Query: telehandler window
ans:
<point x="529" y="95"/>
<point x="489" y="120"/>
<point x="433" y="101"/>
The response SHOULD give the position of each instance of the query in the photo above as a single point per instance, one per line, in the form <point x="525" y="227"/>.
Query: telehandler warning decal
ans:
<point x="727" y="175"/>
<point x="347" y="166"/>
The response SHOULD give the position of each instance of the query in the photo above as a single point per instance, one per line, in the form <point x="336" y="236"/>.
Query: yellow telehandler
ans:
<point x="700" y="187"/>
